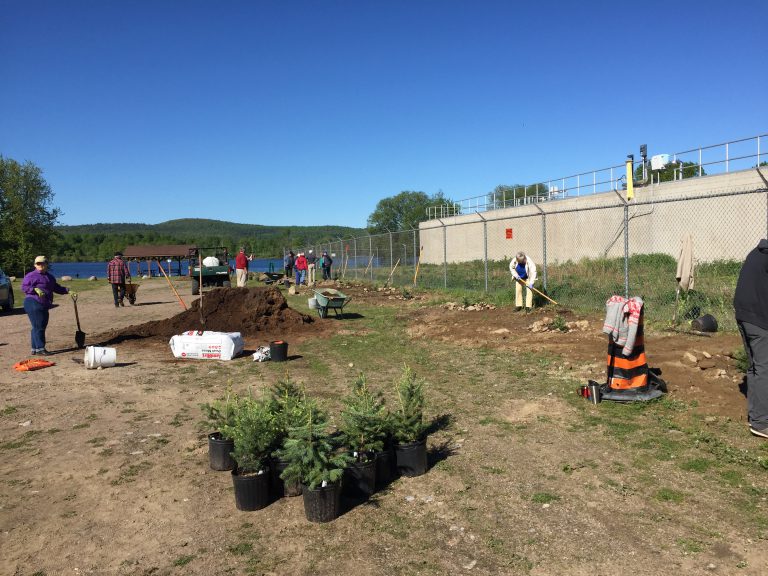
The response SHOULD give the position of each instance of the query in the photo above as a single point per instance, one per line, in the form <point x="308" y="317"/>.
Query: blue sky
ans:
<point x="309" y="112"/>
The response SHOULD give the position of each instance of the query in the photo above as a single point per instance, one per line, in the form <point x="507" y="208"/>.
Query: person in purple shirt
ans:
<point x="39" y="286"/>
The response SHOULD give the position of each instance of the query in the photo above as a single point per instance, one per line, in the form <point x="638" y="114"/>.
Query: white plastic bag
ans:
<point x="205" y="345"/>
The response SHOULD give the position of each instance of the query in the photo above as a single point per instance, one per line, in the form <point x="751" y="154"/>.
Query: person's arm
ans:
<point x="531" y="272"/>
<point x="27" y="285"/>
<point x="513" y="269"/>
<point x="59" y="289"/>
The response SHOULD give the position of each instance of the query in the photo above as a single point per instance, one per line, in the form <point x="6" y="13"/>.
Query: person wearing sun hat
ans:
<point x="39" y="285"/>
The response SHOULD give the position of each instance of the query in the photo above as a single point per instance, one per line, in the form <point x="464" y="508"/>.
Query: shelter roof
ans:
<point x="159" y="251"/>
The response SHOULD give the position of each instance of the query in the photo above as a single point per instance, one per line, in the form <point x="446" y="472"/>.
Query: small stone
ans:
<point x="501" y="331"/>
<point x="351" y="364"/>
<point x="706" y="354"/>
<point x="410" y="498"/>
<point x="711" y="566"/>
<point x="137" y="452"/>
<point x="27" y="423"/>
<point x="690" y="358"/>
<point x="470" y="565"/>
<point x="545" y="506"/>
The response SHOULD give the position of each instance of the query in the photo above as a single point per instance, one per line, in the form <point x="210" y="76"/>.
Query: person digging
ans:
<point x="523" y="271"/>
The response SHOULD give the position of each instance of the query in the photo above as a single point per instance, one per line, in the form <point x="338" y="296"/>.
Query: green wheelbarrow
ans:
<point x="330" y="299"/>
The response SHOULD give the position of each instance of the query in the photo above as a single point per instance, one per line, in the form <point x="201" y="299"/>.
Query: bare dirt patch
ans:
<point x="713" y="381"/>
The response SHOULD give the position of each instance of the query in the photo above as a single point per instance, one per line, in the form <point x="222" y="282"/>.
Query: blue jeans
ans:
<point x="38" y="317"/>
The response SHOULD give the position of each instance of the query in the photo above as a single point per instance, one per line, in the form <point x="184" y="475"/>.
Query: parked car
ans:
<point x="6" y="292"/>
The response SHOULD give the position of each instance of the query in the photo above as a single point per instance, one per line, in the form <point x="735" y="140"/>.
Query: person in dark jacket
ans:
<point x="751" y="305"/>
<point x="289" y="262"/>
<point x="39" y="286"/>
<point x="326" y="263"/>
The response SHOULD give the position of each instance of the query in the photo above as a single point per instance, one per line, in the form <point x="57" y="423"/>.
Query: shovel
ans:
<point x="79" y="335"/>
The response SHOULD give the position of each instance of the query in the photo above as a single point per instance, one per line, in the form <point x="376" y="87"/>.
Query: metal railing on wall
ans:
<point x="720" y="158"/>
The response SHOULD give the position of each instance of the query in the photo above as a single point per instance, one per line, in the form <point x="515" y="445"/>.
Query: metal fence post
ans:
<point x="391" y="253"/>
<point x="485" y="249"/>
<point x="445" y="255"/>
<point x="355" y="263"/>
<point x="626" y="243"/>
<point x="370" y="255"/>
<point x="544" y="242"/>
<point x="626" y="250"/>
<point x="416" y="255"/>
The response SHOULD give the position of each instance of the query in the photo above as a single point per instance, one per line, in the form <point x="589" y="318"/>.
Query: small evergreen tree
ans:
<point x="408" y="421"/>
<point x="313" y="456"/>
<point x="253" y="431"/>
<point x="363" y="420"/>
<point x="290" y="406"/>
<point x="220" y="413"/>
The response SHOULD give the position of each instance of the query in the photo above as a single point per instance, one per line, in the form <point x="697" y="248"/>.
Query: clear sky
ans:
<point x="298" y="112"/>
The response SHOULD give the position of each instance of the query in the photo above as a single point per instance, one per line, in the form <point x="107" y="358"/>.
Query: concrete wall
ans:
<point x="724" y="223"/>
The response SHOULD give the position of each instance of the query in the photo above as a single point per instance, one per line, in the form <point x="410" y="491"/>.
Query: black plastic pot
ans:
<point x="412" y="458"/>
<point x="706" y="323"/>
<point x="322" y="504"/>
<point x="385" y="467"/>
<point x="251" y="490"/>
<point x="219" y="452"/>
<point x="278" y="351"/>
<point x="279" y="488"/>
<point x="361" y="479"/>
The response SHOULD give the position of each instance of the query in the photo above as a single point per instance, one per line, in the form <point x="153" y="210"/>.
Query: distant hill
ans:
<point x="99" y="241"/>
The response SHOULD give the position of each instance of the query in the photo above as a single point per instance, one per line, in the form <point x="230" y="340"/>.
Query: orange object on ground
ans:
<point x="628" y="372"/>
<point x="32" y="364"/>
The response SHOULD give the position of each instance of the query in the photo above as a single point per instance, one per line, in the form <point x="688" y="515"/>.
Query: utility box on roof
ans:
<point x="659" y="161"/>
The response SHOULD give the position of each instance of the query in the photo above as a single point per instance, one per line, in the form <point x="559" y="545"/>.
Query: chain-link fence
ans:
<point x="584" y="253"/>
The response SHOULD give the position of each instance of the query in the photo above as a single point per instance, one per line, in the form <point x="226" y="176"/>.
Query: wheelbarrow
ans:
<point x="330" y="299"/>
<point x="130" y="292"/>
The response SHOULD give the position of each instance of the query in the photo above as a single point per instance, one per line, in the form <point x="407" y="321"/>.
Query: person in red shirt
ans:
<point x="301" y="269"/>
<point x="241" y="267"/>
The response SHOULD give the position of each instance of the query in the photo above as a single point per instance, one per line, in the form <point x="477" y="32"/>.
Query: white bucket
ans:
<point x="96" y="357"/>
<point x="312" y="302"/>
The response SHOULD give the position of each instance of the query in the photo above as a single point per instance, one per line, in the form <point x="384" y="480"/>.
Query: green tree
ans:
<point x="671" y="171"/>
<point x="504" y="196"/>
<point x="27" y="217"/>
<point x="404" y="211"/>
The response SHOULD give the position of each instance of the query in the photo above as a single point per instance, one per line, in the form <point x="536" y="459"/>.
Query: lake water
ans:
<point x="99" y="269"/>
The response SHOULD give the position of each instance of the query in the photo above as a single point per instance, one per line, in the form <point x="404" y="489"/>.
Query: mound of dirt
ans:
<point x="250" y="311"/>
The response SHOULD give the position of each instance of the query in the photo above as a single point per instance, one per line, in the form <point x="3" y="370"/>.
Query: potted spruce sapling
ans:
<point x="408" y="427"/>
<point x="363" y="431"/>
<point x="290" y="406"/>
<point x="253" y="432"/>
<point x="218" y="415"/>
<point x="314" y="459"/>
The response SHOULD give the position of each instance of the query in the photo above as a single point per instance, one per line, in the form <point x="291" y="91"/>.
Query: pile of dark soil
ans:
<point x="250" y="311"/>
